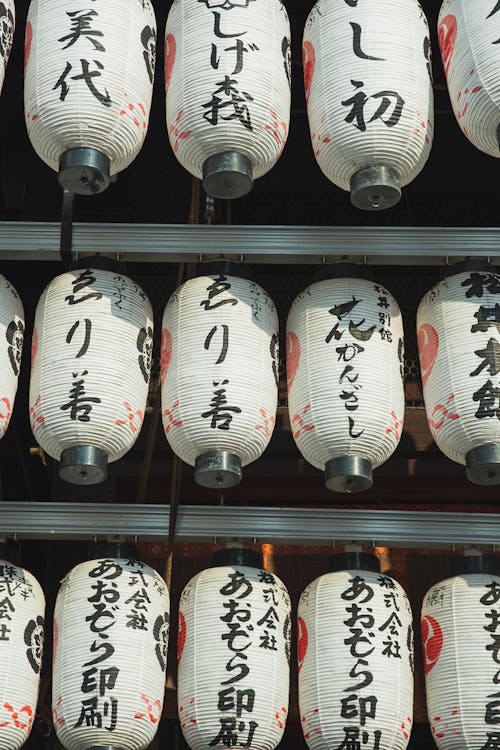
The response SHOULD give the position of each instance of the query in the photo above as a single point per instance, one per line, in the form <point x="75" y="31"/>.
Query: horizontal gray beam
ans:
<point x="259" y="244"/>
<point x="315" y="526"/>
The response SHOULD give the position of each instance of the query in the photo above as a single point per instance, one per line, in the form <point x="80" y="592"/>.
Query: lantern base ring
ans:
<point x="227" y="175"/>
<point x="83" y="464"/>
<point x="104" y="747"/>
<point x="348" y="474"/>
<point x="375" y="188"/>
<point x="84" y="171"/>
<point x="483" y="464"/>
<point x="217" y="470"/>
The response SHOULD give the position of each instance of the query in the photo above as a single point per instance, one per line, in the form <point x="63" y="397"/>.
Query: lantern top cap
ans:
<point x="237" y="556"/>
<point x="354" y="561"/>
<point x="464" y="564"/>
<point x="113" y="549"/>
<point x="10" y="551"/>
<point x="465" y="266"/>
<point x="342" y="270"/>
<point x="223" y="267"/>
<point x="99" y="262"/>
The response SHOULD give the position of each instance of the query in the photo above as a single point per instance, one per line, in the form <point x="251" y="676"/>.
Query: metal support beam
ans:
<point x="315" y="526"/>
<point x="255" y="244"/>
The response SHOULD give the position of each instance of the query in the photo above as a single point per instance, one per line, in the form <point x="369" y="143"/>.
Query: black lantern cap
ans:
<point x="463" y="564"/>
<point x="341" y="270"/>
<point x="114" y="549"/>
<point x="349" y="474"/>
<point x="84" y="171"/>
<point x="99" y="262"/>
<point x="223" y="267"/>
<point x="464" y="266"/>
<point x="237" y="556"/>
<point x="354" y="561"/>
<point x="10" y="551"/>
<point x="227" y="175"/>
<point x="83" y="464"/>
<point x="482" y="464"/>
<point x="217" y="469"/>
<point x="375" y="188"/>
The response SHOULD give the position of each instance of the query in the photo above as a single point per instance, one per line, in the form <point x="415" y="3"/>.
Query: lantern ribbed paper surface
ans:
<point x="91" y="361"/>
<point x="345" y="373"/>
<point x="227" y="71"/>
<point x="111" y="625"/>
<point x="219" y="368"/>
<point x="367" y="72"/>
<point x="22" y="609"/>
<point x="11" y="347"/>
<point x="89" y="77"/>
<point x="233" y="650"/>
<point x="7" y="24"/>
<point x="458" y="342"/>
<point x="355" y="658"/>
<point x="469" y="36"/>
<point x="459" y="626"/>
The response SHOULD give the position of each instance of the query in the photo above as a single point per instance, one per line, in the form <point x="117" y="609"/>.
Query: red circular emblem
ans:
<point x="181" y="636"/>
<point x="166" y="353"/>
<point x="27" y="43"/>
<point x="302" y="640"/>
<point x="292" y="357"/>
<point x="432" y="641"/>
<point x="428" y="344"/>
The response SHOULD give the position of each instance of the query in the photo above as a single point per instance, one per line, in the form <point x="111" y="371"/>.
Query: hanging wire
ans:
<point x="66" y="238"/>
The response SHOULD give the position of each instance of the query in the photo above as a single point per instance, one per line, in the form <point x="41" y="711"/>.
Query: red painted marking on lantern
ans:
<point x="302" y="641"/>
<point x="308" y="62"/>
<point x="292" y="357"/>
<point x="129" y="108"/>
<point x="176" y="131"/>
<point x="396" y="426"/>
<point x="426" y="128"/>
<point x="166" y="353"/>
<point x="301" y="425"/>
<point x="321" y="140"/>
<point x="172" y="422"/>
<point x="432" y="642"/>
<point x="268" y="423"/>
<point x="141" y="107"/>
<point x="55" y="713"/>
<point x="15" y="717"/>
<point x="130" y="418"/>
<point x="151" y="714"/>
<point x="406" y="730"/>
<point x="170" y="51"/>
<point x="36" y="417"/>
<point x="447" y="36"/>
<point x="440" y="731"/>
<point x="28" y="38"/>
<point x="444" y="413"/>
<point x="279" y="130"/>
<point x="181" y="636"/>
<point x="428" y="344"/>
<point x="466" y="91"/>
<point x="6" y="414"/>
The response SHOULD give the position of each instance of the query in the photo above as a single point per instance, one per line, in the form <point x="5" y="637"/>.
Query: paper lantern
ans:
<point x="234" y="652"/>
<point x="367" y="73"/>
<point x="469" y="37"/>
<point x="227" y="77"/>
<point x="22" y="610"/>
<point x="345" y="377"/>
<point x="111" y="625"/>
<point x="91" y="361"/>
<point x="355" y="658"/>
<point x="7" y="25"/>
<point x="11" y="347"/>
<point x="88" y="85"/>
<point x="460" y="647"/>
<point x="459" y="344"/>
<point x="219" y="374"/>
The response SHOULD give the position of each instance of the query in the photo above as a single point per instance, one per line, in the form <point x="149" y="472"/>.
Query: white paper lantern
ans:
<point x="345" y="378"/>
<point x="234" y="651"/>
<point x="11" y="347"/>
<point x="7" y="25"/>
<point x="88" y="85"/>
<point x="469" y="40"/>
<point x="367" y="73"/>
<point x="227" y="76"/>
<point x="460" y="643"/>
<point x="91" y="361"/>
<point x="459" y="344"/>
<point x="22" y="610"/>
<point x="219" y="375"/>
<point x="355" y="658"/>
<point x="111" y="625"/>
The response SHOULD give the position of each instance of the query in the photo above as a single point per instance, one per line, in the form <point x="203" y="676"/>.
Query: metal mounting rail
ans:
<point x="258" y="244"/>
<point x="315" y="526"/>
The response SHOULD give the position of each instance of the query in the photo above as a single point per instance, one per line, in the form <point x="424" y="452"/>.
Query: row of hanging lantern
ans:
<point x="92" y="352"/>
<point x="227" y="79"/>
<point x="354" y="652"/>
